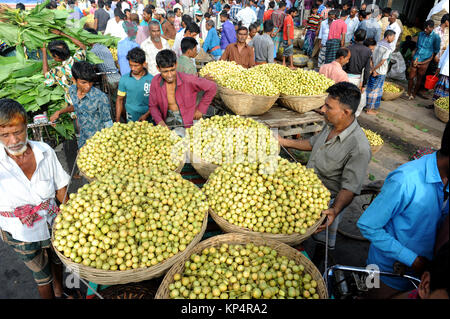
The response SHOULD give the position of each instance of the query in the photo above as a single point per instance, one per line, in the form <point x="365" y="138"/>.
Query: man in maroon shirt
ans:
<point x="173" y="95"/>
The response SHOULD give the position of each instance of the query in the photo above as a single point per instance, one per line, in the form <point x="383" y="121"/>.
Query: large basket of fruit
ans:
<point x="135" y="144"/>
<point x="441" y="109"/>
<point x="129" y="226"/>
<point x="375" y="140"/>
<point x="391" y="91"/>
<point x="226" y="139"/>
<point x="277" y="200"/>
<point x="302" y="104"/>
<point x="240" y="266"/>
<point x="300" y="60"/>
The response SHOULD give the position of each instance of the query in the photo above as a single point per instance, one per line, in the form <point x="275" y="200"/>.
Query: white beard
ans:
<point x="17" y="152"/>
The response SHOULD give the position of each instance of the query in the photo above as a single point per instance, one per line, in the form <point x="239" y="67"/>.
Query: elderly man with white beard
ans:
<point x="30" y="179"/>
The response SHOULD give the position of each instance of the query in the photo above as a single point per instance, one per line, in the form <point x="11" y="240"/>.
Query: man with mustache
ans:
<point x="31" y="178"/>
<point x="340" y="155"/>
<point x="153" y="45"/>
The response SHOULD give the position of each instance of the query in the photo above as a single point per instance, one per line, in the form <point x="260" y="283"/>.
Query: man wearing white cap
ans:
<point x="158" y="16"/>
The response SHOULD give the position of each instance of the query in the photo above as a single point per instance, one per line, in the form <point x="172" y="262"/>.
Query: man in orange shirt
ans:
<point x="268" y="13"/>
<point x="239" y="51"/>
<point x="288" y="36"/>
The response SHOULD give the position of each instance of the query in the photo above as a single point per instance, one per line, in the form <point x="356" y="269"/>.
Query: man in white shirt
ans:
<point x="192" y="30"/>
<point x="247" y="15"/>
<point x="114" y="27"/>
<point x="31" y="178"/>
<point x="178" y="5"/>
<point x="352" y="22"/>
<point x="394" y="26"/>
<point x="323" y="36"/>
<point x="152" y="45"/>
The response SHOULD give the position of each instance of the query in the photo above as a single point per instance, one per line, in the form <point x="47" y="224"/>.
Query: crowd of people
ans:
<point x="157" y="81"/>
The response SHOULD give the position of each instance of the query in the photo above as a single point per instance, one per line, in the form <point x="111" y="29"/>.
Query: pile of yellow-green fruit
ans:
<point x="218" y="69"/>
<point x="249" y="81"/>
<point x="391" y="88"/>
<point x="114" y="53"/>
<point x="242" y="272"/>
<point x="135" y="144"/>
<point x="277" y="197"/>
<point x="231" y="138"/>
<point x="442" y="103"/>
<point x="373" y="138"/>
<point x="130" y="219"/>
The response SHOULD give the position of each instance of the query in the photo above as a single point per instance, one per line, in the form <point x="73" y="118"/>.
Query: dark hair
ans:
<point x="90" y="30"/>
<point x="362" y="13"/>
<point x="118" y="13"/>
<point x="342" y="52"/>
<point x="82" y="70"/>
<point x="227" y="6"/>
<point x="207" y="15"/>
<point x="369" y="42"/>
<point x="126" y="10"/>
<point x="253" y="26"/>
<point x="20" y="6"/>
<point x="60" y="49"/>
<point x="51" y="5"/>
<point x="268" y="26"/>
<point x="100" y="4"/>
<point x="188" y="43"/>
<point x="291" y="9"/>
<point x="108" y="3"/>
<point x="360" y="35"/>
<point x="408" y="38"/>
<point x="387" y="10"/>
<point x="148" y="9"/>
<point x="241" y="28"/>
<point x="333" y="13"/>
<point x="346" y="93"/>
<point x="345" y="13"/>
<point x="186" y="19"/>
<point x="282" y="4"/>
<point x="272" y="4"/>
<point x="224" y="14"/>
<point x="444" y="18"/>
<point x="166" y="59"/>
<point x="438" y="269"/>
<point x="388" y="33"/>
<point x="8" y="110"/>
<point x="176" y="10"/>
<point x="136" y="55"/>
<point x="445" y="147"/>
<point x="192" y="28"/>
<point x="428" y="23"/>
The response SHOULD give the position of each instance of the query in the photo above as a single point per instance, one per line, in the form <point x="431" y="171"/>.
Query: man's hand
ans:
<point x="162" y="123"/>
<point x="419" y="265"/>
<point x="209" y="77"/>
<point x="55" y="116"/>
<point x="55" y="31"/>
<point x="331" y="216"/>
<point x="198" y="115"/>
<point x="143" y="117"/>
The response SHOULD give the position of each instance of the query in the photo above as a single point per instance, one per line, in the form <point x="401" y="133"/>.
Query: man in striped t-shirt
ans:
<point x="311" y="31"/>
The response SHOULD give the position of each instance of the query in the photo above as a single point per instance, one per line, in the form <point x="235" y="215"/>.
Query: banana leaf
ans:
<point x="9" y="33"/>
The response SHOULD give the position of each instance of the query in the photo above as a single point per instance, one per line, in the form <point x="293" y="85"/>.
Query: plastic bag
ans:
<point x="398" y="68"/>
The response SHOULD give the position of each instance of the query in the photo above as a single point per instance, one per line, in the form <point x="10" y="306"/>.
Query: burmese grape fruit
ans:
<point x="391" y="88"/>
<point x="218" y="69"/>
<point x="130" y="219"/>
<point x="231" y="138"/>
<point x="135" y="144"/>
<point x="442" y="103"/>
<point x="249" y="81"/>
<point x="233" y="271"/>
<point x="277" y="197"/>
<point x="373" y="138"/>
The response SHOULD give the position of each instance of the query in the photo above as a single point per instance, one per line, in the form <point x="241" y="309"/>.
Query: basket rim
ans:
<point x="235" y="92"/>
<point x="242" y="239"/>
<point x="286" y="96"/>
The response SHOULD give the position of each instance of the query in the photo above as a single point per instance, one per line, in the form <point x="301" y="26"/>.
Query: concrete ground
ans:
<point x="404" y="125"/>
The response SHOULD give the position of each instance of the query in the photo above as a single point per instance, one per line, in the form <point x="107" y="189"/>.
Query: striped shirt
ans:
<point x="313" y="22"/>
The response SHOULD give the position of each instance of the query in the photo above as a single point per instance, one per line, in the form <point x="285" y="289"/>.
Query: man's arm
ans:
<point x="75" y="41"/>
<point x="302" y="145"/>
<point x="210" y="89"/>
<point x="57" y="114"/>
<point x="226" y="53"/>
<point x="153" y="105"/>
<point x="270" y="49"/>
<point x="104" y="108"/>
<point x="119" y="106"/>
<point x="60" y="194"/>
<point x="44" y="59"/>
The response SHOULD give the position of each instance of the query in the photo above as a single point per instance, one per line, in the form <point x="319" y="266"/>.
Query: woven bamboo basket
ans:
<point x="300" y="61"/>
<point x="389" y="96"/>
<point x="246" y="104"/>
<point x="441" y="113"/>
<point x="302" y="104"/>
<point x="110" y="277"/>
<point x="242" y="239"/>
<point x="376" y="148"/>
<point x="292" y="239"/>
<point x="203" y="168"/>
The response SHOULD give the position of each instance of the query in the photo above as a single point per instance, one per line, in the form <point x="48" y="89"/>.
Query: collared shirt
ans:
<point x="267" y="15"/>
<point x="352" y="25"/>
<point x="402" y="221"/>
<point x="93" y="112"/>
<point x="443" y="34"/>
<point x="337" y="29"/>
<point x="359" y="60"/>
<point x="234" y="11"/>
<point x="103" y="18"/>
<point x="341" y="163"/>
<point x="247" y="16"/>
<point x="17" y="190"/>
<point x="188" y="86"/>
<point x="169" y="30"/>
<point x="123" y="47"/>
<point x="212" y="41"/>
<point x="150" y="54"/>
<point x="115" y="29"/>
<point x="228" y="35"/>
<point x="380" y="53"/>
<point x="186" y="65"/>
<point x="334" y="72"/>
<point x="263" y="45"/>
<point x="396" y="28"/>
<point x="246" y="57"/>
<point x="137" y="93"/>
<point x="62" y="74"/>
<point x="427" y="45"/>
<point x="372" y="28"/>
<point x="443" y="63"/>
<point x="323" y="32"/>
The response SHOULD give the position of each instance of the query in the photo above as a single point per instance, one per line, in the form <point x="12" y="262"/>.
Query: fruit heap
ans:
<point x="306" y="83"/>
<point x="249" y="81"/>
<point x="231" y="138"/>
<point x="242" y="272"/>
<point x="114" y="53"/>
<point x="275" y="197"/>
<point x="373" y="138"/>
<point x="135" y="144"/>
<point x="442" y="103"/>
<point x="391" y="88"/>
<point x="130" y="219"/>
<point x="218" y="69"/>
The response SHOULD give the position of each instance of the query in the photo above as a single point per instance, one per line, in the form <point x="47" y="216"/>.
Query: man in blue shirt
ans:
<point x="228" y="31"/>
<point x="402" y="221"/>
<point x="135" y="86"/>
<point x="428" y="45"/>
<point x="212" y="41"/>
<point x="234" y="11"/>
<point x="125" y="45"/>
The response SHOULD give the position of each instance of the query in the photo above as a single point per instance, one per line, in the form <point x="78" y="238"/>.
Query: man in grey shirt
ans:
<point x="340" y="155"/>
<point x="263" y="44"/>
<point x="101" y="17"/>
